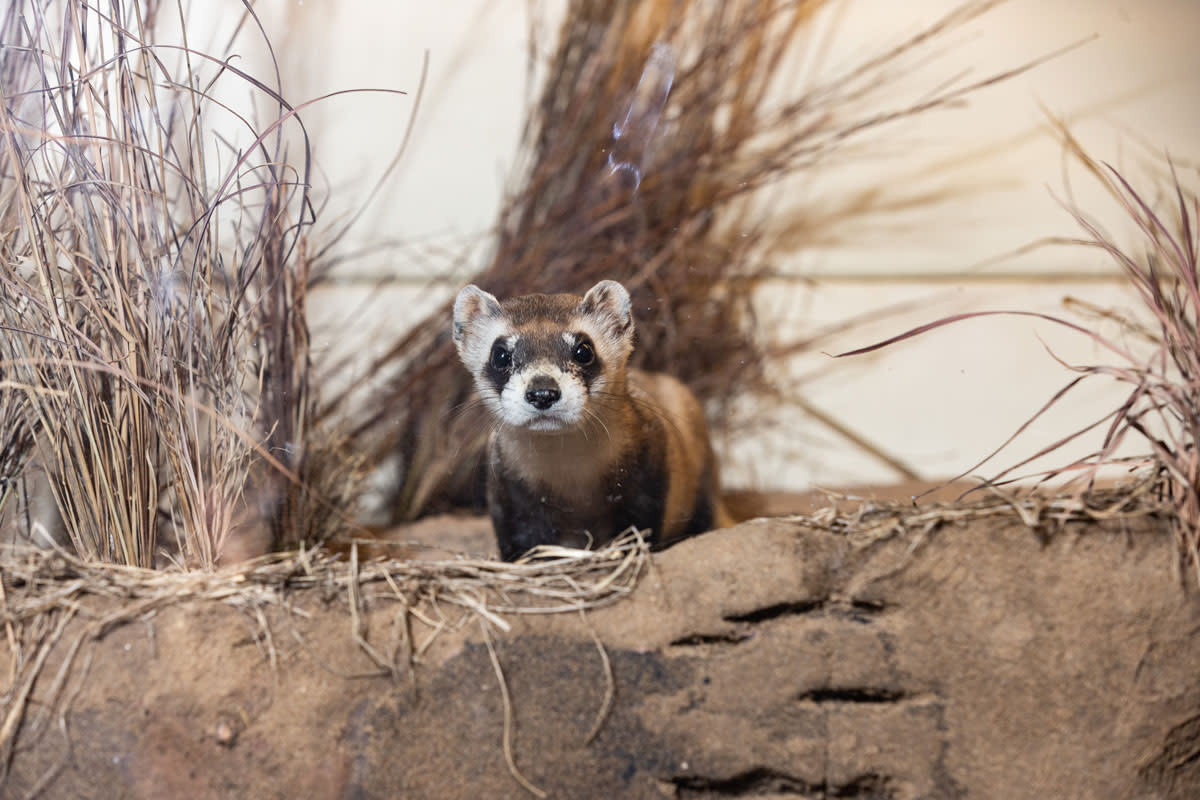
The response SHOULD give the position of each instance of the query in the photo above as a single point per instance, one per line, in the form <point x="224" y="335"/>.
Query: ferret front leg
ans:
<point x="638" y="495"/>
<point x="519" y="517"/>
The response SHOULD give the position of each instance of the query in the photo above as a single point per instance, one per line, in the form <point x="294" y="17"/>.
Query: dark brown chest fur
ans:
<point x="558" y="490"/>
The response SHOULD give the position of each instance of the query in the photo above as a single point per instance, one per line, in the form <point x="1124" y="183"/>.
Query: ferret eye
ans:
<point x="501" y="355"/>
<point x="583" y="354"/>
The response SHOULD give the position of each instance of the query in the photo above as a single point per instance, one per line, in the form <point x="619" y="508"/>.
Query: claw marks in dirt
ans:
<point x="841" y="743"/>
<point x="1176" y="767"/>
<point x="853" y="694"/>
<point x="741" y="626"/>
<point x="837" y="706"/>
<point x="777" y="610"/>
<point x="760" y="782"/>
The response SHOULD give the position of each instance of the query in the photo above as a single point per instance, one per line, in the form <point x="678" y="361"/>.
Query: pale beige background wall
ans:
<point x="937" y="403"/>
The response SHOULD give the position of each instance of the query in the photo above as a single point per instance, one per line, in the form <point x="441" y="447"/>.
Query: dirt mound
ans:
<point x="901" y="656"/>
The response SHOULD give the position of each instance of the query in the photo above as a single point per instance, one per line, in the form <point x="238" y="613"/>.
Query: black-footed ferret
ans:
<point x="582" y="446"/>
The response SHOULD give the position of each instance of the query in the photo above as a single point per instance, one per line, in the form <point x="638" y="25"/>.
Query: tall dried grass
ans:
<point x="1157" y="354"/>
<point x="658" y="124"/>
<point x="16" y="437"/>
<point x="153" y="273"/>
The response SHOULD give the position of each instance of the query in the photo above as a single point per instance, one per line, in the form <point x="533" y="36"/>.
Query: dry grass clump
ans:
<point x="153" y="270"/>
<point x="16" y="438"/>
<point x="657" y="125"/>
<point x="548" y="580"/>
<point x="1163" y="406"/>
<point x="1044" y="514"/>
<point x="1158" y="359"/>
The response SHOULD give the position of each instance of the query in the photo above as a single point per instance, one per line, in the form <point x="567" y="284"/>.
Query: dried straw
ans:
<point x="1046" y="514"/>
<point x="549" y="580"/>
<point x="1162" y="409"/>
<point x="153" y="278"/>
<point x="657" y="125"/>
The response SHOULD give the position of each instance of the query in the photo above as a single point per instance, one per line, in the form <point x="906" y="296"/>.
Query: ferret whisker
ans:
<point x="654" y="408"/>
<point x="461" y="412"/>
<point x="592" y="416"/>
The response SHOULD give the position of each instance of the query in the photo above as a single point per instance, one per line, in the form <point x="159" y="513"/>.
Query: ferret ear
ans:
<point x="471" y="304"/>
<point x="609" y="301"/>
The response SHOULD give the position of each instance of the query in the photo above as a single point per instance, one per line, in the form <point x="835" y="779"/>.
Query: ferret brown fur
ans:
<point x="583" y="447"/>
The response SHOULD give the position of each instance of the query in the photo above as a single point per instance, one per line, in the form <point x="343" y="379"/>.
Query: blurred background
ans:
<point x="962" y="201"/>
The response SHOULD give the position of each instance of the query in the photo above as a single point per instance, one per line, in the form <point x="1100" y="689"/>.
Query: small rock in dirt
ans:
<point x="226" y="734"/>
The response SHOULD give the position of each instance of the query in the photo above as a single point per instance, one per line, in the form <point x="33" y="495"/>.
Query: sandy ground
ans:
<point x="898" y="658"/>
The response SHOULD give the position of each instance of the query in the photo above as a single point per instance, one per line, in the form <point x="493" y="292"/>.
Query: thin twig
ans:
<point x="508" y="716"/>
<point x="610" y="682"/>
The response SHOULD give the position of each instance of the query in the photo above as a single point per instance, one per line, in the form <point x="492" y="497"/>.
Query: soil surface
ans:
<point x="974" y="659"/>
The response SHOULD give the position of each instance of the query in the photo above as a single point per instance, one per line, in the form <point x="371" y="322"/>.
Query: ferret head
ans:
<point x="539" y="360"/>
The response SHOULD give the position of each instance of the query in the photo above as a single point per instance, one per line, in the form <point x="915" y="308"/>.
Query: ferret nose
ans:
<point x="542" y="392"/>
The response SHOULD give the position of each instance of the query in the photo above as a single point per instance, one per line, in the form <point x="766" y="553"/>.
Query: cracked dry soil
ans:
<point x="770" y="660"/>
